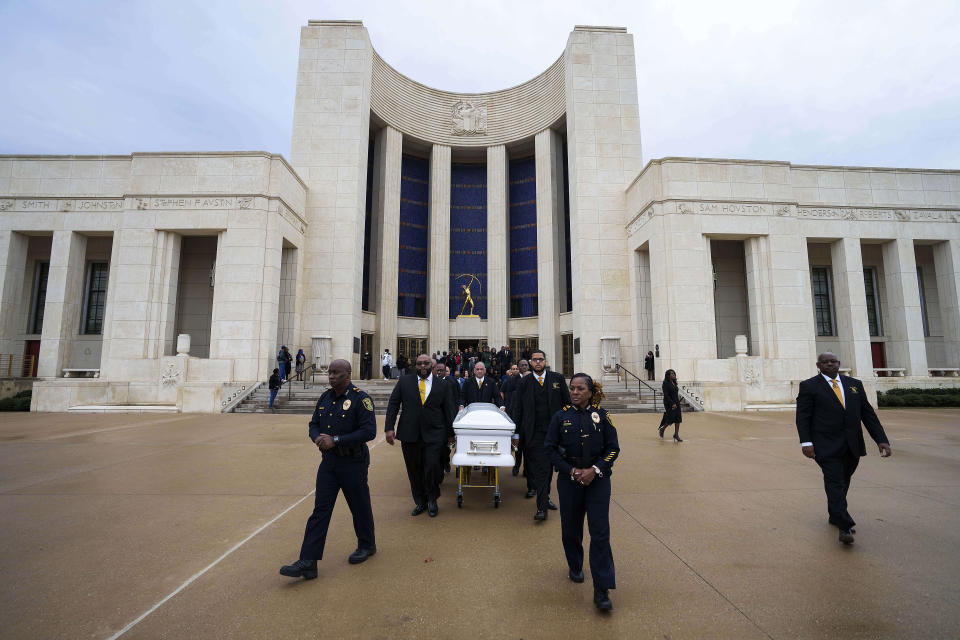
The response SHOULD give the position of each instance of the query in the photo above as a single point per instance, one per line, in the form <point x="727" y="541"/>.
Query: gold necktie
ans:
<point x="423" y="390"/>
<point x="479" y="383"/>
<point x="540" y="380"/>
<point x="836" y="390"/>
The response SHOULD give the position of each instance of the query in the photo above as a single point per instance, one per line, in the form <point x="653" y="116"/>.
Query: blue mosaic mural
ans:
<point x="523" y="238"/>
<point x="468" y="235"/>
<point x="414" y="238"/>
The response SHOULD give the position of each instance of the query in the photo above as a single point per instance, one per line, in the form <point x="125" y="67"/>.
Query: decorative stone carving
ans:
<point x="321" y="347"/>
<point x="751" y="374"/>
<point x="610" y="353"/>
<point x="244" y="203"/>
<point x="183" y="344"/>
<point x="469" y="118"/>
<point x="683" y="207"/>
<point x="6" y="204"/>
<point x="170" y="376"/>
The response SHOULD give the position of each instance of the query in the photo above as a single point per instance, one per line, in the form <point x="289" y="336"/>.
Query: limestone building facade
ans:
<point x="398" y="197"/>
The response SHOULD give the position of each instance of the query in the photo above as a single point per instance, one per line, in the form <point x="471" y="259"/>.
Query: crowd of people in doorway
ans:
<point x="461" y="362"/>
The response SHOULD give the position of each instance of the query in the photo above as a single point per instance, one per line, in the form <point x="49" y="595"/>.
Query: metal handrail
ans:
<point x="16" y="366"/>
<point x="640" y="383"/>
<point x="313" y="368"/>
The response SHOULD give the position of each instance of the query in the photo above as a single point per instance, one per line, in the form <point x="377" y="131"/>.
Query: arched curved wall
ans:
<point x="428" y="114"/>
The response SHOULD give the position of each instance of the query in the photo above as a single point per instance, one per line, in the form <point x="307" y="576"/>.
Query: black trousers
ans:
<point x="593" y="501"/>
<point x="337" y="474"/>
<point x="424" y="469"/>
<point x="386" y="371"/>
<point x="539" y="470"/>
<point x="837" y="472"/>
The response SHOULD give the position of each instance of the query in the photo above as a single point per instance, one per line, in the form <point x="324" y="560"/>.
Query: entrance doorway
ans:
<point x="464" y="345"/>
<point x="31" y="353"/>
<point x="879" y="357"/>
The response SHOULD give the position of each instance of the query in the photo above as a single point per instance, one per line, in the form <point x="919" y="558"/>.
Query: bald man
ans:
<point x="342" y="424"/>
<point x="830" y="410"/>
<point x="426" y="409"/>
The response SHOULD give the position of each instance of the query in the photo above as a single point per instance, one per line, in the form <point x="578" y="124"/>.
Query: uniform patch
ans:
<point x="368" y="404"/>
<point x="346" y="404"/>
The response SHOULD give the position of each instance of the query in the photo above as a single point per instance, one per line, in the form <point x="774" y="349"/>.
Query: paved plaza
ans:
<point x="103" y="517"/>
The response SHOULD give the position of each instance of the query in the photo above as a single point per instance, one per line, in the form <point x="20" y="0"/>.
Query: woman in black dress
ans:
<point x="671" y="405"/>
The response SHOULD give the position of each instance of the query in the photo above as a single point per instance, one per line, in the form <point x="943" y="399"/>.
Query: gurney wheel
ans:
<point x="496" y="502"/>
<point x="459" y="502"/>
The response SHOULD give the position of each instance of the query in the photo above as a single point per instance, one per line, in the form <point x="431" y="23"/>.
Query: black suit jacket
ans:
<point x="522" y="410"/>
<point x="823" y="420"/>
<point x="488" y="392"/>
<point x="431" y="421"/>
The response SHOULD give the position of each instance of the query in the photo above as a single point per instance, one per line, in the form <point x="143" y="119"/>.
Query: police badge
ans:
<point x="346" y="404"/>
<point x="595" y="417"/>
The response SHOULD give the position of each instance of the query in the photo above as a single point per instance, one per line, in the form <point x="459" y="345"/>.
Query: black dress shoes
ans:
<point x="846" y="536"/>
<point x="516" y="471"/>
<point x="601" y="598"/>
<point x="550" y="505"/>
<point x="306" y="569"/>
<point x="530" y="493"/>
<point x="360" y="555"/>
<point x="417" y="510"/>
<point x="576" y="576"/>
<point x="540" y="515"/>
<point x="433" y="509"/>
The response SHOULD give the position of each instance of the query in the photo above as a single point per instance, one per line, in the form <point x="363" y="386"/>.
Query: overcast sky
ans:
<point x="812" y="82"/>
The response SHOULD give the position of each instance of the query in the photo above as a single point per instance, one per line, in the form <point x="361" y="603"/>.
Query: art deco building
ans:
<point x="398" y="198"/>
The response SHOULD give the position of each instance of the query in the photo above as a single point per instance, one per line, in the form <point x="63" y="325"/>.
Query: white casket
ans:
<point x="483" y="436"/>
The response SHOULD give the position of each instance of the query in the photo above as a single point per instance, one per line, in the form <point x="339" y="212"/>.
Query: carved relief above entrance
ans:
<point x="469" y="118"/>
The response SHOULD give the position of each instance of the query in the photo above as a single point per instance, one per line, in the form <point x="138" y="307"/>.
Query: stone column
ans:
<point x="906" y="346"/>
<point x="498" y="202"/>
<point x="246" y="296"/>
<point x="438" y="288"/>
<point x="61" y="315"/>
<point x="162" y="306"/>
<point x="946" y="259"/>
<point x="640" y="285"/>
<point x="328" y="150"/>
<point x="547" y="150"/>
<point x="13" y="248"/>
<point x="603" y="152"/>
<point x="386" y="183"/>
<point x="850" y="300"/>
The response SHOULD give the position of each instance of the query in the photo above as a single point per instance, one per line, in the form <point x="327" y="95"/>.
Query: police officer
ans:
<point x="342" y="424"/>
<point x="581" y="443"/>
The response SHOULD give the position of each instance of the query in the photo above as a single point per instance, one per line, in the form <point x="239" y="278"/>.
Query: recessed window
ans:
<point x="822" y="282"/>
<point x="873" y="301"/>
<point x="41" y="273"/>
<point x="95" y="299"/>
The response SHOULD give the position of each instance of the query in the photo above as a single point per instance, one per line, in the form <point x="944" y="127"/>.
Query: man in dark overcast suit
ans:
<point x="537" y="397"/>
<point x="480" y="388"/>
<point x="830" y="410"/>
<point x="426" y="407"/>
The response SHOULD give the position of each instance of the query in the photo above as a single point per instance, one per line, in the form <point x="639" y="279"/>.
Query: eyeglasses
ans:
<point x="537" y="359"/>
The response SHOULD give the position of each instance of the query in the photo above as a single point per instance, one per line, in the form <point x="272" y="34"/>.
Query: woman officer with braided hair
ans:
<point x="581" y="443"/>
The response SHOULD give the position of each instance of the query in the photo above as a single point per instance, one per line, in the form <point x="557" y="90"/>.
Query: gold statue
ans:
<point x="468" y="299"/>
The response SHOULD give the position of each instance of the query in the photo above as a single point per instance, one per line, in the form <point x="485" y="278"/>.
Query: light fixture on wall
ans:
<point x="716" y="278"/>
<point x="213" y="275"/>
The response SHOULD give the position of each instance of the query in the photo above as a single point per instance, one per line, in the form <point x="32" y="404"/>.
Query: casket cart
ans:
<point x="483" y="435"/>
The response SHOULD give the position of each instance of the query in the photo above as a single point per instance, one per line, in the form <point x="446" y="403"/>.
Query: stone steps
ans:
<point x="297" y="400"/>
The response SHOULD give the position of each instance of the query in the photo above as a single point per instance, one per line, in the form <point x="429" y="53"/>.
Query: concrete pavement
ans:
<point x="103" y="517"/>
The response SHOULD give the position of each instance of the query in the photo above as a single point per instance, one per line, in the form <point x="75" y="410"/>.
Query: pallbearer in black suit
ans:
<point x="538" y="396"/>
<point x="425" y="428"/>
<point x="341" y="426"/>
<point x="582" y="444"/>
<point x="830" y="410"/>
<point x="442" y="372"/>
<point x="480" y="388"/>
